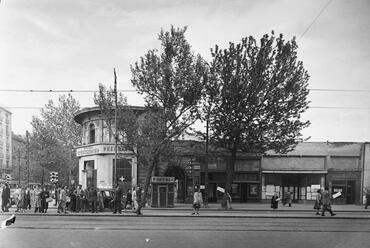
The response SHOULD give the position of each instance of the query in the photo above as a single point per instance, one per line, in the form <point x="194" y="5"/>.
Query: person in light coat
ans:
<point x="197" y="201"/>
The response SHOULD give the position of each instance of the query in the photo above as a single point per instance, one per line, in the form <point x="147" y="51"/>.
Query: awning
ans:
<point x="295" y="172"/>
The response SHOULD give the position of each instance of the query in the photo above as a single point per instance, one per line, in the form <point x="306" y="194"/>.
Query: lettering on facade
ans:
<point x="97" y="149"/>
<point x="163" y="179"/>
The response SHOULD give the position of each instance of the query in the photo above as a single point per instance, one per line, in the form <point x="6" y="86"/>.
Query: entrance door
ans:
<point x="163" y="196"/>
<point x="243" y="192"/>
<point x="351" y="192"/>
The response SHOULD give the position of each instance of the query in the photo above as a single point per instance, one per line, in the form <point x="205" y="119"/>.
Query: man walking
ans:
<point x="117" y="199"/>
<point x="5" y="197"/>
<point x="326" y="205"/>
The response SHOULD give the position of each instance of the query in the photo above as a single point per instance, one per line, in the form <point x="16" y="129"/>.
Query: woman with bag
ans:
<point x="318" y="203"/>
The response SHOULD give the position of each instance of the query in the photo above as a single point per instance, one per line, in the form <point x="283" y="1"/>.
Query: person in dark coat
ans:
<point x="139" y="200"/>
<point x="5" y="197"/>
<point x="44" y="195"/>
<point x="367" y="195"/>
<point x="274" y="201"/>
<point x="93" y="199"/>
<point x="117" y="199"/>
<point x="128" y="201"/>
<point x="318" y="204"/>
<point x="326" y="205"/>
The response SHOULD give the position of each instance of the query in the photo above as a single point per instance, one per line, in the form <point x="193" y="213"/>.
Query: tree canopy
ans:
<point x="256" y="95"/>
<point x="54" y="135"/>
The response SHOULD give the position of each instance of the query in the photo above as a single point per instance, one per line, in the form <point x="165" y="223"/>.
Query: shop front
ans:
<point x="302" y="185"/>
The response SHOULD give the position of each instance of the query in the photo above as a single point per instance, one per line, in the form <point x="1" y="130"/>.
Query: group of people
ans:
<point x="130" y="200"/>
<point x="33" y="198"/>
<point x="322" y="202"/>
<point x="77" y="199"/>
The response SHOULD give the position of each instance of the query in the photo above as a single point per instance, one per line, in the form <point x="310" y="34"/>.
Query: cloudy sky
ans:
<point x="75" y="44"/>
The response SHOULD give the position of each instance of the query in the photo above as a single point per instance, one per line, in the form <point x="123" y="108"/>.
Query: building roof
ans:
<point x="350" y="149"/>
<point x="94" y="111"/>
<point x="2" y="107"/>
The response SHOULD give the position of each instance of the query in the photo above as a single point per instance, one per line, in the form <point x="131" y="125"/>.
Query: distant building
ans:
<point x="5" y="142"/>
<point x="19" y="166"/>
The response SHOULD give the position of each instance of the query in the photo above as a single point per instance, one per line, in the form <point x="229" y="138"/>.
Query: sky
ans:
<point x="75" y="44"/>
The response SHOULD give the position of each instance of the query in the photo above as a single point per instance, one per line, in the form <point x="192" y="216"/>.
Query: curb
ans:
<point x="144" y="215"/>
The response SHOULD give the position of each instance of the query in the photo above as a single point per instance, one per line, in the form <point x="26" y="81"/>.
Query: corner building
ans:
<point x="97" y="153"/>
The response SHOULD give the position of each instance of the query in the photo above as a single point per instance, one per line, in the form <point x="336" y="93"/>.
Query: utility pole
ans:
<point x="28" y="157"/>
<point x="115" y="128"/>
<point x="206" y="168"/>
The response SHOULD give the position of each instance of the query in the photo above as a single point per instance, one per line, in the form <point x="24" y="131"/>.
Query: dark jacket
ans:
<point x="274" y="202"/>
<point x="6" y="193"/>
<point x="325" y="200"/>
<point x="117" y="194"/>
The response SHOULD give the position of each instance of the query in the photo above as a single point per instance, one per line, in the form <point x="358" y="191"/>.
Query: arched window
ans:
<point x="92" y="133"/>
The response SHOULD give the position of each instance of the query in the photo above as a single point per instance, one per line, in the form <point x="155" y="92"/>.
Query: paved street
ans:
<point x="186" y="231"/>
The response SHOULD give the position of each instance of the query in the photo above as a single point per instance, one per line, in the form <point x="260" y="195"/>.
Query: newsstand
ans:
<point x="163" y="192"/>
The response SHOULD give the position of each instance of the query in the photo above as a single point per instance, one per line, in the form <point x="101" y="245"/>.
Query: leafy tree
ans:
<point x="54" y="136"/>
<point x="171" y="81"/>
<point x="255" y="97"/>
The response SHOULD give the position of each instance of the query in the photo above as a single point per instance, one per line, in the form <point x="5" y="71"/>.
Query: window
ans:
<point x="91" y="133"/>
<point x="123" y="169"/>
<point x="7" y="164"/>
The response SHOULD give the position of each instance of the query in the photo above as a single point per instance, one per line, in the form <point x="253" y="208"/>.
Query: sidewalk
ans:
<point x="239" y="210"/>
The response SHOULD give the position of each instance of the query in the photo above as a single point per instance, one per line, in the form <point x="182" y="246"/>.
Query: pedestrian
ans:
<point x="228" y="201"/>
<point x="1" y="193"/>
<point x="197" y="201"/>
<point x="16" y="197"/>
<point x="318" y="202"/>
<point x="79" y="194"/>
<point x="27" y="199"/>
<point x="5" y="197"/>
<point x="63" y="200"/>
<point x="139" y="200"/>
<point x="45" y="195"/>
<point x="32" y="197"/>
<point x="275" y="201"/>
<point x="326" y="204"/>
<point x="128" y="201"/>
<point x="57" y="195"/>
<point x="117" y="199"/>
<point x="100" y="200"/>
<point x="21" y="200"/>
<point x="367" y="195"/>
<point x="37" y="199"/>
<point x="134" y="199"/>
<point x="288" y="199"/>
<point x="93" y="199"/>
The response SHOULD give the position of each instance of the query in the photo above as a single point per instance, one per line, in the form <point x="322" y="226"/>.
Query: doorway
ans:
<point x="162" y="196"/>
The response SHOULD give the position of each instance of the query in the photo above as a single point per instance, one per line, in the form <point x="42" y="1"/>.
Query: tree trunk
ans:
<point x="151" y="166"/>
<point x="230" y="165"/>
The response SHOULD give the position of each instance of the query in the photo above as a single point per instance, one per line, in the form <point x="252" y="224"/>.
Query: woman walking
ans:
<point x="318" y="203"/>
<point x="198" y="201"/>
<point x="37" y="199"/>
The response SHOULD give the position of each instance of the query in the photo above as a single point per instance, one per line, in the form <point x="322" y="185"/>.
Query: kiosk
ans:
<point x="163" y="192"/>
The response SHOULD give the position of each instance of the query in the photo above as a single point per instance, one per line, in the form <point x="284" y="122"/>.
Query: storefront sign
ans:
<point x="163" y="179"/>
<point x="98" y="149"/>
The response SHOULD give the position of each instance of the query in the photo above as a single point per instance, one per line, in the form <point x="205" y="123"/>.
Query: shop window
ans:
<point x="124" y="170"/>
<point x="91" y="133"/>
<point x="91" y="175"/>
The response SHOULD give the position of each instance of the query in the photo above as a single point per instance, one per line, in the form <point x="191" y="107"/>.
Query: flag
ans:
<point x="8" y="222"/>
